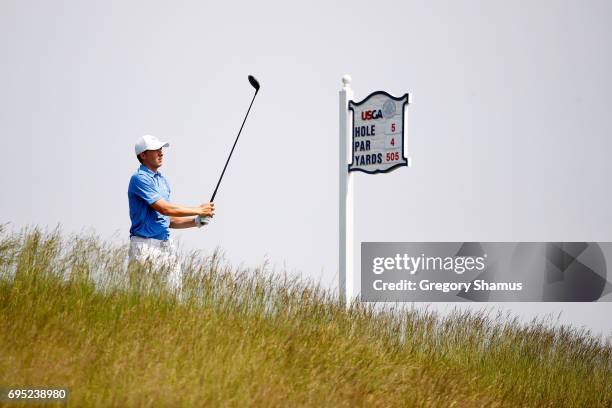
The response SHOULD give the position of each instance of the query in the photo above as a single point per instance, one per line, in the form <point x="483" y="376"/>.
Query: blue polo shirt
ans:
<point x="146" y="187"/>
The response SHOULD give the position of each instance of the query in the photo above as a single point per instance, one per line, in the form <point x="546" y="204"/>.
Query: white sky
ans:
<point x="509" y="130"/>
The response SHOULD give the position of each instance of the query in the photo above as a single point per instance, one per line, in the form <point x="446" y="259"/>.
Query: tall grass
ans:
<point x="73" y="315"/>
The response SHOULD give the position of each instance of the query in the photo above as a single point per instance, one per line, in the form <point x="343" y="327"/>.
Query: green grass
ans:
<point x="72" y="316"/>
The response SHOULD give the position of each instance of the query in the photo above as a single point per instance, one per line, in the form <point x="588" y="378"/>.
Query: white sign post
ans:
<point x="372" y="140"/>
<point x="346" y="260"/>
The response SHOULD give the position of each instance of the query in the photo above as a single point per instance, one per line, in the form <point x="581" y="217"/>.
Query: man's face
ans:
<point x="152" y="158"/>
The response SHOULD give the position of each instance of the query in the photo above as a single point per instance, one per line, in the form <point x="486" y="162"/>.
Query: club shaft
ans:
<point x="232" y="151"/>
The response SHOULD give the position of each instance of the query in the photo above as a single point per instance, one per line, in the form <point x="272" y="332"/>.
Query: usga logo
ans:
<point x="371" y="114"/>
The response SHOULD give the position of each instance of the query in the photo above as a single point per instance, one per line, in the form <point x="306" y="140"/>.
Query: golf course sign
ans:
<point x="378" y="133"/>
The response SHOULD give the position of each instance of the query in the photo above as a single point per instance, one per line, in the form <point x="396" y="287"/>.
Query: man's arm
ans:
<point x="182" y="222"/>
<point x="176" y="210"/>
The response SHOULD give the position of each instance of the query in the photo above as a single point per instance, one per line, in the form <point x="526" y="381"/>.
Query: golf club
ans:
<point x="255" y="84"/>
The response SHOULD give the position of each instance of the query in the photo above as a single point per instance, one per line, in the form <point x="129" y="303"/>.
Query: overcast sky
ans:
<point x="510" y="127"/>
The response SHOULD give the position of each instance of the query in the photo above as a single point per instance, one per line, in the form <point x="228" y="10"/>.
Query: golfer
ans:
<point x="153" y="214"/>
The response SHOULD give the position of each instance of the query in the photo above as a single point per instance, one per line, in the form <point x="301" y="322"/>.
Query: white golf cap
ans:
<point x="148" y="142"/>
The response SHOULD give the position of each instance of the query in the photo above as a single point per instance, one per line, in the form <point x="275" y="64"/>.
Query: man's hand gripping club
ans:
<point x="206" y="214"/>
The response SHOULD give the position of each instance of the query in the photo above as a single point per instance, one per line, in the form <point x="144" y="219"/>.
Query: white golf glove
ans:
<point x="200" y="221"/>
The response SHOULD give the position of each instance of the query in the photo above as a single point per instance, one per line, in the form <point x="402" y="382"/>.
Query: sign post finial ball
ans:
<point x="346" y="80"/>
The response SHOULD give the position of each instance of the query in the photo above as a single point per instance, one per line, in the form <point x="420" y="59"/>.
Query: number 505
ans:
<point x="392" y="156"/>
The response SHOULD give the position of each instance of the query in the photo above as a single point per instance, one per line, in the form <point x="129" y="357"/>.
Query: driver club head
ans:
<point x="254" y="83"/>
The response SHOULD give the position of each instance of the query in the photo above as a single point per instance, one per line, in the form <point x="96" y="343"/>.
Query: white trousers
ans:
<point x="162" y="254"/>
